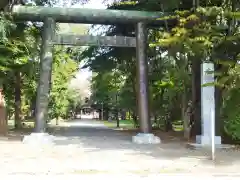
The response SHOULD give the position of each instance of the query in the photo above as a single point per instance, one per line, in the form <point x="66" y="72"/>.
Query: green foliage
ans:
<point x="19" y="54"/>
<point x="106" y="86"/>
<point x="5" y="27"/>
<point x="232" y="115"/>
<point x="64" y="69"/>
<point x="230" y="110"/>
<point x="208" y="33"/>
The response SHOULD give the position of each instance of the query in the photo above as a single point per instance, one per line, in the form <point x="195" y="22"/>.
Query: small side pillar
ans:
<point x="145" y="137"/>
<point x="46" y="59"/>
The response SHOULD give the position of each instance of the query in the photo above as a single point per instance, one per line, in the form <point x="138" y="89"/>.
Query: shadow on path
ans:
<point x="95" y="137"/>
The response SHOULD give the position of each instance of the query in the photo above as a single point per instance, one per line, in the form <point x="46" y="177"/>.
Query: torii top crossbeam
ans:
<point x="86" y="16"/>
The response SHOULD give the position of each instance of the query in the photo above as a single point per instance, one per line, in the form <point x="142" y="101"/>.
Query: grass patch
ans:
<point x="129" y="124"/>
<point x="28" y="123"/>
<point x="177" y="125"/>
<point x="122" y="123"/>
<point x="177" y="128"/>
<point x="25" y="124"/>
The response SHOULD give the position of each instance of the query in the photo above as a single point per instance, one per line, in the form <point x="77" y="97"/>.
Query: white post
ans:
<point x="208" y="107"/>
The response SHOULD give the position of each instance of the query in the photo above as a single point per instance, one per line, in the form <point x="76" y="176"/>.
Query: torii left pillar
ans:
<point x="145" y="136"/>
<point x="46" y="59"/>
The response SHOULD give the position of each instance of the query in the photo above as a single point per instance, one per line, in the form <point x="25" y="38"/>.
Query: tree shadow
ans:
<point x="99" y="139"/>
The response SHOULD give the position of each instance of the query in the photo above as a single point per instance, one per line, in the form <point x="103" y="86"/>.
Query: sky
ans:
<point x="93" y="4"/>
<point x="83" y="76"/>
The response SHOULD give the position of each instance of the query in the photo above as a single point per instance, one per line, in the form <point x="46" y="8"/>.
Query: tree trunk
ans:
<point x="135" y="119"/>
<point x="118" y="122"/>
<point x="17" y="105"/>
<point x="116" y="117"/>
<point x="186" y="116"/>
<point x="106" y="114"/>
<point x="123" y="114"/>
<point x="3" y="117"/>
<point x="219" y="125"/>
<point x="196" y="97"/>
<point x="168" y="125"/>
<point x="57" y="121"/>
<point x="168" y="121"/>
<point x="155" y="119"/>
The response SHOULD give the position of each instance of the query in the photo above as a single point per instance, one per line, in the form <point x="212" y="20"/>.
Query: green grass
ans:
<point x="26" y="123"/>
<point x="129" y="124"/>
<point x="122" y="123"/>
<point x="177" y="127"/>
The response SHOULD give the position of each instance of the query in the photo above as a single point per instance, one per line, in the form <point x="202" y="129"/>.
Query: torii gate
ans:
<point x="51" y="15"/>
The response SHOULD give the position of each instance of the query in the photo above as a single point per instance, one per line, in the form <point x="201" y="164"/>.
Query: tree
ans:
<point x="177" y="48"/>
<point x="19" y="61"/>
<point x="64" y="69"/>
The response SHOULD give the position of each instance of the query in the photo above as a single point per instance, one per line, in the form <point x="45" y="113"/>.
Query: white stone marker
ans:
<point x="144" y="138"/>
<point x="207" y="106"/>
<point x="38" y="139"/>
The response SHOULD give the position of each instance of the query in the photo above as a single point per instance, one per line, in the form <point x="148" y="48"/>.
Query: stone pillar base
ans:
<point x="38" y="139"/>
<point x="206" y="140"/>
<point x="145" y="138"/>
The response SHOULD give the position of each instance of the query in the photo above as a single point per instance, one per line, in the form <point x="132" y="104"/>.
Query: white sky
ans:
<point x="93" y="4"/>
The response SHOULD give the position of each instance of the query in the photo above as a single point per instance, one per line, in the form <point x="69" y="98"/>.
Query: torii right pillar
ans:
<point x="145" y="136"/>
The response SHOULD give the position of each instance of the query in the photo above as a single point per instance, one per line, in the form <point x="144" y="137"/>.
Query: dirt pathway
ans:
<point x="88" y="148"/>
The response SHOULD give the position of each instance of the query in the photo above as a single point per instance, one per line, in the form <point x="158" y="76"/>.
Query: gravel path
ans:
<point x="88" y="148"/>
